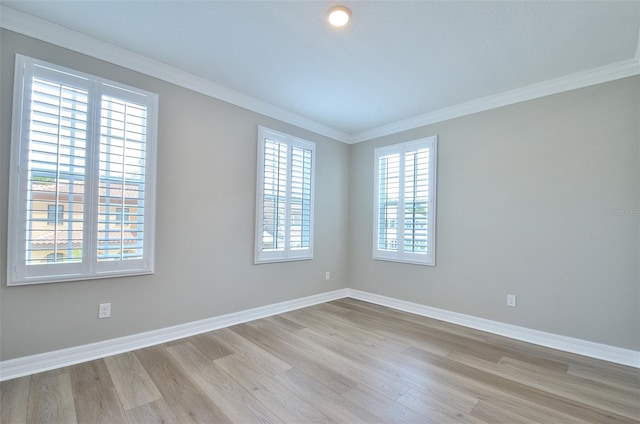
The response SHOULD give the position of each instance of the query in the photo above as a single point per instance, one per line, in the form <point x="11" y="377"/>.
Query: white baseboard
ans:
<point x="14" y="368"/>
<point x="564" y="343"/>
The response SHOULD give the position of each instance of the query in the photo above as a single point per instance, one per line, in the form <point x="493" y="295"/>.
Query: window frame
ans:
<point x="400" y="255"/>
<point x="287" y="254"/>
<point x="89" y="267"/>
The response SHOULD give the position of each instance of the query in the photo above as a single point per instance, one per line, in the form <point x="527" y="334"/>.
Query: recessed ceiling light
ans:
<point x="339" y="16"/>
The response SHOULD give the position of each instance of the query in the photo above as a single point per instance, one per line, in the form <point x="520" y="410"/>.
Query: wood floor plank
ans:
<point x="251" y="351"/>
<point x="50" y="373"/>
<point x="446" y="397"/>
<point x="515" y="409"/>
<point x="235" y="402"/>
<point x="386" y="364"/>
<point x="490" y="413"/>
<point x="384" y="408"/>
<point x="463" y="392"/>
<point x="156" y="412"/>
<point x="560" y="385"/>
<point x="131" y="381"/>
<point x="627" y="379"/>
<point x="304" y="360"/>
<point x="186" y="400"/>
<point x="579" y="410"/>
<point x="345" y="330"/>
<point x="410" y="336"/>
<point x="90" y="376"/>
<point x="51" y="400"/>
<point x="287" y="323"/>
<point x="99" y="407"/>
<point x="95" y="397"/>
<point x="576" y="382"/>
<point x="337" y="355"/>
<point x="210" y="346"/>
<point x="431" y="335"/>
<point x="454" y="329"/>
<point x="285" y="403"/>
<point x="383" y="362"/>
<point x="568" y="358"/>
<point x="14" y="400"/>
<point x="435" y="410"/>
<point x="355" y="332"/>
<point x="330" y="403"/>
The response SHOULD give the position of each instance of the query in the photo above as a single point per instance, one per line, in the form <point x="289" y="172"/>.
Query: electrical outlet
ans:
<point x="327" y="275"/>
<point x="104" y="310"/>
<point x="511" y="300"/>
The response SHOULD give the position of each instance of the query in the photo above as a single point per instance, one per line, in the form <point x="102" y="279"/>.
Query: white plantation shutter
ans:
<point x="56" y="168"/>
<point x="284" y="218"/>
<point x="300" y="209"/>
<point x="416" y="200"/>
<point x="389" y="201"/>
<point x="80" y="149"/>
<point x="404" y="210"/>
<point x="274" y="204"/>
<point x="121" y="179"/>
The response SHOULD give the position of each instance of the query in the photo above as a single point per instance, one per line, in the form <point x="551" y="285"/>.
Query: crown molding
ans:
<point x="31" y="26"/>
<point x="582" y="79"/>
<point x="49" y="32"/>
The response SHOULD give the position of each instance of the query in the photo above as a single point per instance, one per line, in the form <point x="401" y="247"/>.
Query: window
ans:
<point x="405" y="202"/>
<point x="52" y="217"/>
<point x="284" y="216"/>
<point x="81" y="148"/>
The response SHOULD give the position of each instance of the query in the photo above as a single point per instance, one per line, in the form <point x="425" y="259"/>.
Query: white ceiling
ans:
<point x="396" y="60"/>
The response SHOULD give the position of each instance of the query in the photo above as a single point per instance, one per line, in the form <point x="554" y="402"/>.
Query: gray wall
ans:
<point x="205" y="223"/>
<point x="523" y="193"/>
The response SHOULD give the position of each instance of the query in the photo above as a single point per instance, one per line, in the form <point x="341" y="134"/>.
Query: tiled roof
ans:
<point x="115" y="190"/>
<point x="61" y="237"/>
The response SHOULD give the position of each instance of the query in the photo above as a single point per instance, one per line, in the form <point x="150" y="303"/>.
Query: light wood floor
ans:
<point x="344" y="361"/>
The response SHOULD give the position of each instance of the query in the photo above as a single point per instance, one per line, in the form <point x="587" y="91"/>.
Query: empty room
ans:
<point x="318" y="211"/>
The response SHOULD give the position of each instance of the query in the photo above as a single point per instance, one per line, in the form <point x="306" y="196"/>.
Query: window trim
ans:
<point x="402" y="148"/>
<point x="287" y="254"/>
<point x="18" y="273"/>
